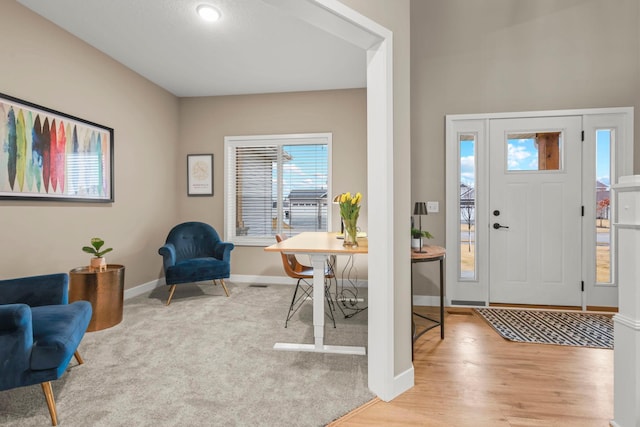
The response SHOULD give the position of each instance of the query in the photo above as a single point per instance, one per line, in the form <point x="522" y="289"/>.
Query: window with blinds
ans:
<point x="276" y="184"/>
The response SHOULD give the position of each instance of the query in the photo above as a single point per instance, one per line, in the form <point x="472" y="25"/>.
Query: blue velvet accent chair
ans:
<point x="193" y="252"/>
<point x="39" y="332"/>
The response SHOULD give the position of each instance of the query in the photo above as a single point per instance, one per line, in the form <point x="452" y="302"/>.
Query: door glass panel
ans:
<point x="603" y="193"/>
<point x="534" y="151"/>
<point x="467" y="203"/>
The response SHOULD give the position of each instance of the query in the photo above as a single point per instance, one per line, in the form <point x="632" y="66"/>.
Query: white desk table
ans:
<point x="319" y="246"/>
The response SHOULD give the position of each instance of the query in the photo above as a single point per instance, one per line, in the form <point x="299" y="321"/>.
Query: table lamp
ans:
<point x="420" y="209"/>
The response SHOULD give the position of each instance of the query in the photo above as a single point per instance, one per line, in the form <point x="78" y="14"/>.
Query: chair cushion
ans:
<point x="197" y="269"/>
<point x="57" y="332"/>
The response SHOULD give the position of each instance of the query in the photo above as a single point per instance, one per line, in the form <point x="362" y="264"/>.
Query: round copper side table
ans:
<point x="103" y="289"/>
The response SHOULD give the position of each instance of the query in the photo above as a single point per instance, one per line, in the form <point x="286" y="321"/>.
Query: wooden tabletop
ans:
<point x="318" y="242"/>
<point x="430" y="253"/>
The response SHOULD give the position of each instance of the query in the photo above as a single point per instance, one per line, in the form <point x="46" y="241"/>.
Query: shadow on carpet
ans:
<point x="571" y="328"/>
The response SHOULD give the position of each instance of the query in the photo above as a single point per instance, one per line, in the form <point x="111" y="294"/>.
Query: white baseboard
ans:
<point x="144" y="288"/>
<point x="236" y="278"/>
<point x="270" y="280"/>
<point x="403" y="382"/>
<point x="279" y="280"/>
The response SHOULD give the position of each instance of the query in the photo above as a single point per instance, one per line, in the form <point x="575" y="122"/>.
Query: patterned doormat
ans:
<point x="551" y="327"/>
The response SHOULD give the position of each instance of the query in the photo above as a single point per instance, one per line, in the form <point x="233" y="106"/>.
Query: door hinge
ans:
<point x="582" y="210"/>
<point x="582" y="136"/>
<point x="582" y="286"/>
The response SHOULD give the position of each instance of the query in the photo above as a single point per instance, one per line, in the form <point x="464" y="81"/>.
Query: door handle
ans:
<point x="498" y="226"/>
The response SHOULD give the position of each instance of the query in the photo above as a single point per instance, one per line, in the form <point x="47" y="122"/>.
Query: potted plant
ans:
<point x="416" y="237"/>
<point x="98" y="262"/>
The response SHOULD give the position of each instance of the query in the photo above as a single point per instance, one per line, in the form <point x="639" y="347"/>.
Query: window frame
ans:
<point x="230" y="144"/>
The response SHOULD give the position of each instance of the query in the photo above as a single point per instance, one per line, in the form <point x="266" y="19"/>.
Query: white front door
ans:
<point x="535" y="211"/>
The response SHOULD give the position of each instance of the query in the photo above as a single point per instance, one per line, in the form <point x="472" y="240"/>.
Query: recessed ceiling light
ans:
<point x="208" y="12"/>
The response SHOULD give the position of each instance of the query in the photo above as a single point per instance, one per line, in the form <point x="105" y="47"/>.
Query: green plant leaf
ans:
<point x="100" y="254"/>
<point x="89" y="250"/>
<point x="97" y="243"/>
<point x="94" y="249"/>
<point x="416" y="234"/>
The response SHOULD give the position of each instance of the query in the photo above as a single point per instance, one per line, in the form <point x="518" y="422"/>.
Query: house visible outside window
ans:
<point x="467" y="205"/>
<point x="276" y="184"/>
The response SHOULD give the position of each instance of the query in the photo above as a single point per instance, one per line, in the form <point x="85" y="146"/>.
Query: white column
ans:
<point x="626" y="323"/>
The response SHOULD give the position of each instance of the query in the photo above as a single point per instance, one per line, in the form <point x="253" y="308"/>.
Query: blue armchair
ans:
<point x="193" y="252"/>
<point x="39" y="332"/>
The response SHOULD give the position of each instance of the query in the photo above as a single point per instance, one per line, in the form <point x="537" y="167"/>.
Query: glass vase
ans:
<point x="350" y="231"/>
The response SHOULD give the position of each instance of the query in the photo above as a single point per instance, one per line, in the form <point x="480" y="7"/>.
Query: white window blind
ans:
<point x="276" y="184"/>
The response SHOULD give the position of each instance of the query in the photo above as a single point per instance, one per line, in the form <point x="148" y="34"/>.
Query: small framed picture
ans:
<point x="200" y="174"/>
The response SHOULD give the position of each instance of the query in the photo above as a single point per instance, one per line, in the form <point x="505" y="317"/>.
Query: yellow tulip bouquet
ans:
<point x="349" y="211"/>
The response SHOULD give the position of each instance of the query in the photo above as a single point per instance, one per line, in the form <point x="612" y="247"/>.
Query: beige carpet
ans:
<point x="206" y="360"/>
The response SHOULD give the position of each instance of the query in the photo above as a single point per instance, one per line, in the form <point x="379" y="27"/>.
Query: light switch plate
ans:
<point x="433" y="207"/>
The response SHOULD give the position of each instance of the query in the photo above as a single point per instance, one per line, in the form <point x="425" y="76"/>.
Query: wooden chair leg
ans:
<point x="78" y="357"/>
<point x="171" y="291"/>
<point x="51" y="403"/>
<point x="226" y="291"/>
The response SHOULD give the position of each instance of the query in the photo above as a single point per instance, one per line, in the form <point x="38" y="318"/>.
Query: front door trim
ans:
<point x="476" y="291"/>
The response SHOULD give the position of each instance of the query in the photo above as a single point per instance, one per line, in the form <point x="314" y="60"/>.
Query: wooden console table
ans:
<point x="103" y="289"/>
<point x="430" y="253"/>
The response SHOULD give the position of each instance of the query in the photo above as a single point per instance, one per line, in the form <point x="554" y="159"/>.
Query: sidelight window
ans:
<point x="604" y="146"/>
<point x="467" y="204"/>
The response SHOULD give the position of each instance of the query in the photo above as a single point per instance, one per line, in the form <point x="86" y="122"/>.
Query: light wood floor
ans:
<point x="476" y="378"/>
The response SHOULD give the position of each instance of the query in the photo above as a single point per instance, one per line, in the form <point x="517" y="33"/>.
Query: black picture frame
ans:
<point x="49" y="155"/>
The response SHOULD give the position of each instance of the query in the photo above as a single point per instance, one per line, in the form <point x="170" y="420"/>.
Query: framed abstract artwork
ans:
<point x="49" y="155"/>
<point x="200" y="174"/>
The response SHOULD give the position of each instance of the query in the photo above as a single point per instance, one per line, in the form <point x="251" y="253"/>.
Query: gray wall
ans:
<point x="503" y="55"/>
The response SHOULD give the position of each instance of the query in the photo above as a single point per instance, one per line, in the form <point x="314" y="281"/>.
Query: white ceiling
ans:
<point x="253" y="48"/>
